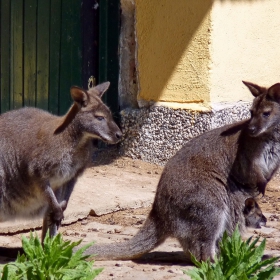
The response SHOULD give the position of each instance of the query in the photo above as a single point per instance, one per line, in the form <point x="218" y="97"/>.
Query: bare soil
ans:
<point x="166" y="261"/>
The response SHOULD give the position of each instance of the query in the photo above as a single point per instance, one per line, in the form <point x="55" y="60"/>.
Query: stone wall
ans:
<point x="155" y="134"/>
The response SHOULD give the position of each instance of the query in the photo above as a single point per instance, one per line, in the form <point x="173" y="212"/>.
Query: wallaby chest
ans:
<point x="260" y="159"/>
<point x="268" y="160"/>
<point x="59" y="166"/>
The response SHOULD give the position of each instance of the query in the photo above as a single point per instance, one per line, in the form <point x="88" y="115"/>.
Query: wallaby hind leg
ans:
<point x="202" y="251"/>
<point x="53" y="203"/>
<point x="62" y="195"/>
<point x="49" y="223"/>
<point x="66" y="191"/>
<point x="201" y="235"/>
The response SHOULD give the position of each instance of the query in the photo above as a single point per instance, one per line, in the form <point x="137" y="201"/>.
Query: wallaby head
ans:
<point x="265" y="111"/>
<point x="254" y="217"/>
<point x="91" y="115"/>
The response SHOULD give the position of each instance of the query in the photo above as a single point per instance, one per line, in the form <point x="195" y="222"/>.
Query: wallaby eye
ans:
<point x="266" y="114"/>
<point x="100" y="118"/>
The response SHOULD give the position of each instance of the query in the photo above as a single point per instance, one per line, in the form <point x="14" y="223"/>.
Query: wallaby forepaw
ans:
<point x="63" y="205"/>
<point x="57" y="217"/>
<point x="261" y="188"/>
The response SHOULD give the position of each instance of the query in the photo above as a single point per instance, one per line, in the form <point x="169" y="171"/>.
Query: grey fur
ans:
<point x="41" y="155"/>
<point x="202" y="189"/>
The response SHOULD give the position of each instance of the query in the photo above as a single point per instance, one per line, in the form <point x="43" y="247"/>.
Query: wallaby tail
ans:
<point x="146" y="239"/>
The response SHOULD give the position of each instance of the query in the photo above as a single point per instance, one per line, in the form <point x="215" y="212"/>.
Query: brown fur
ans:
<point x="202" y="189"/>
<point x="41" y="155"/>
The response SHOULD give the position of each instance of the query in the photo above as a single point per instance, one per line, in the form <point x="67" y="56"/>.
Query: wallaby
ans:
<point x="254" y="217"/>
<point x="203" y="187"/>
<point x="41" y="155"/>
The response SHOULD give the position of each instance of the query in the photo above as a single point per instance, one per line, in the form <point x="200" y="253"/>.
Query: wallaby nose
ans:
<point x="252" y="129"/>
<point x="119" y="135"/>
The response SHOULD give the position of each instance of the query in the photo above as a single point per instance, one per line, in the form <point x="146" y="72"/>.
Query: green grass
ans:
<point x="55" y="260"/>
<point x="238" y="260"/>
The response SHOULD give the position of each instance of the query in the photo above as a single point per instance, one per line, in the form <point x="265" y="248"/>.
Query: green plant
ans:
<point x="238" y="260"/>
<point x="55" y="260"/>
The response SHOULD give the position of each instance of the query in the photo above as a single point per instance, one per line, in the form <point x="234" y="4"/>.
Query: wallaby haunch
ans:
<point x="41" y="155"/>
<point x="202" y="189"/>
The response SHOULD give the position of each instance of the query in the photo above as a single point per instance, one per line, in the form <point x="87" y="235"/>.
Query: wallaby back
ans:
<point x="41" y="155"/>
<point x="202" y="189"/>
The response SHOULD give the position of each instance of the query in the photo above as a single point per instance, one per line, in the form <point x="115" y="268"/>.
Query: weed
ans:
<point x="238" y="260"/>
<point x="55" y="260"/>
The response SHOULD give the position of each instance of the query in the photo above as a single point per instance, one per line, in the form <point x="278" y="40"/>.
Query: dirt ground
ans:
<point x="166" y="261"/>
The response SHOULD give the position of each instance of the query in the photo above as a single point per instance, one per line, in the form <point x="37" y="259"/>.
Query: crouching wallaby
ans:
<point x="254" y="217"/>
<point x="202" y="189"/>
<point x="41" y="155"/>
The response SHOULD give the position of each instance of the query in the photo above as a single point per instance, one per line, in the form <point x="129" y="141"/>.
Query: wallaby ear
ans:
<point x="80" y="98"/>
<point x="250" y="203"/>
<point x="255" y="89"/>
<point x="274" y="92"/>
<point x="68" y="118"/>
<point x="99" y="89"/>
<point x="79" y="95"/>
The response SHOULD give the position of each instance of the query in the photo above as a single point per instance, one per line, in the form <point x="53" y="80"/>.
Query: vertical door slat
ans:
<point x="65" y="60"/>
<point x="43" y="22"/>
<point x="70" y="67"/>
<point x="30" y="26"/>
<point x="55" y="34"/>
<point x="90" y="33"/>
<point x="5" y="54"/>
<point x="76" y="50"/>
<point x="103" y="40"/>
<point x="113" y="55"/>
<point x="16" y="54"/>
<point x="108" y="50"/>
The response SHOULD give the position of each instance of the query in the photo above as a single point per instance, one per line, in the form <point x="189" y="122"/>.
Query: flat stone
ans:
<point x="96" y="195"/>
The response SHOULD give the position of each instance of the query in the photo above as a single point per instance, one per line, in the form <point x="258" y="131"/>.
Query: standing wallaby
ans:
<point x="41" y="155"/>
<point x="254" y="217"/>
<point x="202" y="189"/>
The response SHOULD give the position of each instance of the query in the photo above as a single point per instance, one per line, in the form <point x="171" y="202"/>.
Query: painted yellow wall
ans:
<point x="245" y="44"/>
<point x="172" y="50"/>
<point x="195" y="53"/>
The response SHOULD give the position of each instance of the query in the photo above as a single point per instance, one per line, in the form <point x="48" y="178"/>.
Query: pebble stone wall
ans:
<point x="155" y="134"/>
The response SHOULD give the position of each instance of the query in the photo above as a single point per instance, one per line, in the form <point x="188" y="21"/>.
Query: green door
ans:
<point x="46" y="46"/>
<point x="40" y="54"/>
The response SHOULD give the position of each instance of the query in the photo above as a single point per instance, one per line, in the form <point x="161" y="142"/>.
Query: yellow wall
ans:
<point x="172" y="50"/>
<point x="195" y="53"/>
<point x="245" y="44"/>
